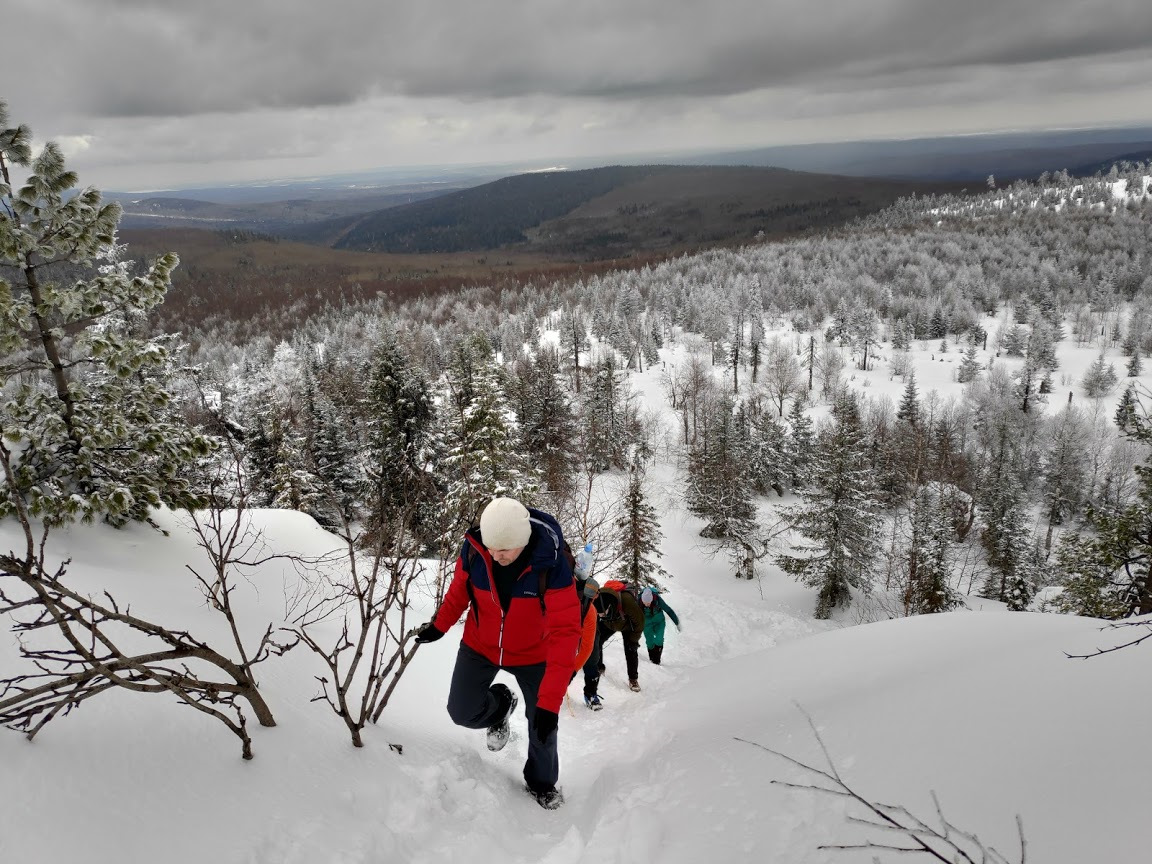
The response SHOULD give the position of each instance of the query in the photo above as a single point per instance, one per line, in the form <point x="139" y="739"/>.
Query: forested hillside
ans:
<point x="619" y="210"/>
<point x="766" y="396"/>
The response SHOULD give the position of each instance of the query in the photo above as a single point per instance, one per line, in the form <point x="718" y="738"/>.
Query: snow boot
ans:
<point x="549" y="799"/>
<point x="594" y="702"/>
<point x="499" y="731"/>
<point x="634" y="686"/>
<point x="654" y="654"/>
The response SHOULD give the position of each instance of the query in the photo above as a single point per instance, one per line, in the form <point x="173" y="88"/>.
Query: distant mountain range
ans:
<point x="962" y="158"/>
<point x="593" y="213"/>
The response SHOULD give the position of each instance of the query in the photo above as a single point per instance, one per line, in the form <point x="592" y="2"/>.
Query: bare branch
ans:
<point x="943" y="842"/>
<point x="1112" y="626"/>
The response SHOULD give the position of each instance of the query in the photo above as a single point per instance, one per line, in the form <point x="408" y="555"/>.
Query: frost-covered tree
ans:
<point x="609" y="416"/>
<point x="719" y="488"/>
<point x="548" y="427"/>
<point x="638" y="534"/>
<point x="481" y="460"/>
<point x="574" y="340"/>
<point x="969" y="368"/>
<point x="1004" y="460"/>
<point x="401" y="445"/>
<point x="838" y="520"/>
<point x="1064" y="473"/>
<point x="909" y="409"/>
<point x="769" y="464"/>
<point x="781" y="377"/>
<point x="900" y="450"/>
<point x="1014" y="558"/>
<point x="1108" y="573"/>
<point x="829" y="364"/>
<point x="1014" y="340"/>
<point x="929" y="555"/>
<point x="1126" y="411"/>
<point x="86" y="403"/>
<point x="1099" y="379"/>
<point x="799" y="446"/>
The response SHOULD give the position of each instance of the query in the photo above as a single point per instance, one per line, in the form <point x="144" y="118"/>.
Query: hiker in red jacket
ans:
<point x="515" y="583"/>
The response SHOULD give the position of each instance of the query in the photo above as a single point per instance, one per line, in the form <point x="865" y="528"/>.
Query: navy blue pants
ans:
<point x="473" y="705"/>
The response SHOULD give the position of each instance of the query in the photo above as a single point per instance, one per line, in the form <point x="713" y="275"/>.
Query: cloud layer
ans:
<point x="226" y="87"/>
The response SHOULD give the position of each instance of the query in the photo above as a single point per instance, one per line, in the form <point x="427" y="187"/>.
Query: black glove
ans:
<point x="545" y="722"/>
<point x="427" y="633"/>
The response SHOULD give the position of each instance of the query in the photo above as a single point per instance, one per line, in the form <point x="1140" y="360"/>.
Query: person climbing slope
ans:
<point x="523" y="617"/>
<point x="655" y="609"/>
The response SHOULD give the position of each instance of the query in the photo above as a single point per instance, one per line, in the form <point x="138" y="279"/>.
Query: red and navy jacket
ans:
<point x="530" y="631"/>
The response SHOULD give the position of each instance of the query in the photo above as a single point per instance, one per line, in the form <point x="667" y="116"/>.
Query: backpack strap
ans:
<point x="470" y="556"/>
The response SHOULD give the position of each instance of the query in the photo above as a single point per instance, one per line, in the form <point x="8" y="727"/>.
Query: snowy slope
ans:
<point x="981" y="706"/>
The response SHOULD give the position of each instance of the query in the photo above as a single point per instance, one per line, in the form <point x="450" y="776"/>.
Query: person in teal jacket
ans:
<point x="654" y="611"/>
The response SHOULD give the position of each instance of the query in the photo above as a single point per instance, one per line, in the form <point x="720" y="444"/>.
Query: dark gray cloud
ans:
<point x="215" y="74"/>
<point x="126" y="58"/>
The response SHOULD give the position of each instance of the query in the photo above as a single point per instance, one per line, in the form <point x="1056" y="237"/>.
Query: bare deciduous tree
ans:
<point x="781" y="377"/>
<point x="373" y="648"/>
<point x="942" y="841"/>
<point x="92" y="656"/>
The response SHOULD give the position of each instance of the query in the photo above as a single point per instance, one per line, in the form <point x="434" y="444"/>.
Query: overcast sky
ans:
<point x="162" y="93"/>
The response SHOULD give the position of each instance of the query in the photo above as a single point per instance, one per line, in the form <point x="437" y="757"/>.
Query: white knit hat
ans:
<point x="504" y="524"/>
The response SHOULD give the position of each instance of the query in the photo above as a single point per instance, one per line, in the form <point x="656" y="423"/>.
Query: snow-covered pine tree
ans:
<point x="1108" y="574"/>
<point x="800" y="446"/>
<point x="718" y="483"/>
<point x="1014" y="341"/>
<point x="1013" y="553"/>
<point x="400" y="449"/>
<point x="901" y="336"/>
<point x="574" y="340"/>
<point x="969" y="368"/>
<point x="930" y="553"/>
<point x="87" y="413"/>
<point x="481" y="460"/>
<point x="609" y="416"/>
<point x="901" y="452"/>
<point x="332" y="455"/>
<point x="909" y="409"/>
<point x="1065" y="471"/>
<point x="1125" y="416"/>
<point x="1042" y="345"/>
<point x="1100" y="378"/>
<point x="838" y="519"/>
<point x="769" y="468"/>
<point x="638" y="532"/>
<point x="294" y="486"/>
<point x="547" y="424"/>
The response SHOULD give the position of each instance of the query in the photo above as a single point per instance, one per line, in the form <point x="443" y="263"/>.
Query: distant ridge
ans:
<point x="960" y="158"/>
<point x="617" y="211"/>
